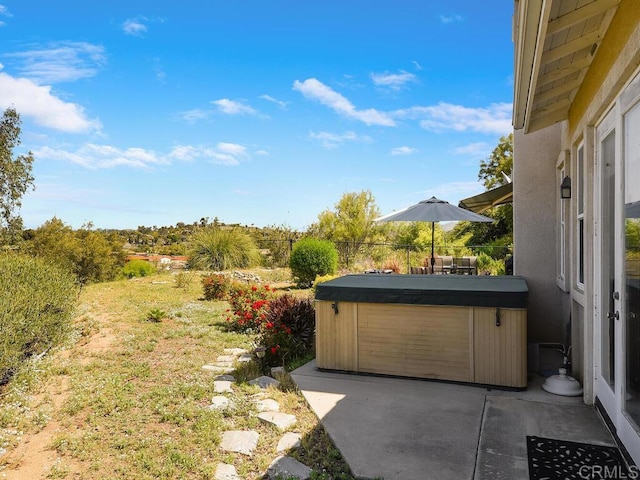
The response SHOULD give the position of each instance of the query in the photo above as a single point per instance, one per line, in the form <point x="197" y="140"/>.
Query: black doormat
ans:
<point x="551" y="459"/>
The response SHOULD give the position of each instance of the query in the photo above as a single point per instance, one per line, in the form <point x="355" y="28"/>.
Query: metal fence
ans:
<point x="276" y="253"/>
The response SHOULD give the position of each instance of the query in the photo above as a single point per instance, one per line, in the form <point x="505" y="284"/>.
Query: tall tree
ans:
<point x="15" y="176"/>
<point x="500" y="161"/>
<point x="353" y="219"/>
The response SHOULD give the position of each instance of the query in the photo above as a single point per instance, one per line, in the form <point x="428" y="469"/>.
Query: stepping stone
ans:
<point x="222" y="386"/>
<point x="225" y="364"/>
<point x="225" y="359"/>
<point x="217" y="369"/>
<point x="239" y="441"/>
<point x="245" y="357"/>
<point x="224" y="471"/>
<point x="234" y="351"/>
<point x="288" y="467"/>
<point x="288" y="441"/>
<point x="228" y="378"/>
<point x="267" y="405"/>
<point x="280" y="420"/>
<point x="220" y="403"/>
<point x="264" y="382"/>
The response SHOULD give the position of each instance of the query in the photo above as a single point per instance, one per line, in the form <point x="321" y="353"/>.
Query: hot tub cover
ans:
<point x="457" y="290"/>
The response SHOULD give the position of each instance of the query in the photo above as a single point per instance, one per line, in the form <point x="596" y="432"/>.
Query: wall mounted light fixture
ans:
<point x="565" y="188"/>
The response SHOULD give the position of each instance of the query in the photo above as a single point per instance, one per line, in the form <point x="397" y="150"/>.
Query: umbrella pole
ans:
<point x="433" y="259"/>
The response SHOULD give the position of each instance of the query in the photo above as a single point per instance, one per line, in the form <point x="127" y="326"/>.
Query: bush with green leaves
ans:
<point x="288" y="330"/>
<point x="311" y="257"/>
<point x="216" y="248"/>
<point x="37" y="301"/>
<point x="138" y="268"/>
<point x="490" y="266"/>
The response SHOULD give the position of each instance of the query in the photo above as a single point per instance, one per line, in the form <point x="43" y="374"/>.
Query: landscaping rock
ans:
<point x="267" y="405"/>
<point x="222" y="386"/>
<point x="224" y="471"/>
<point x="239" y="441"/>
<point x="264" y="382"/>
<point x="280" y="420"/>
<point x="228" y="378"/>
<point x="277" y="371"/>
<point x="288" y="467"/>
<point x="288" y="441"/>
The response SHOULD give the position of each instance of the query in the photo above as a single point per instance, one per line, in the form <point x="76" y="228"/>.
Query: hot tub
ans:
<point x="449" y="327"/>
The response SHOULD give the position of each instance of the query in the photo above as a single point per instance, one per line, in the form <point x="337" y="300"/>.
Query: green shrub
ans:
<point x="138" y="268"/>
<point x="216" y="287"/>
<point x="156" y="315"/>
<point x="288" y="331"/>
<point x="215" y="248"/>
<point x="183" y="280"/>
<point x="37" y="301"/>
<point x="489" y="266"/>
<point x="311" y="257"/>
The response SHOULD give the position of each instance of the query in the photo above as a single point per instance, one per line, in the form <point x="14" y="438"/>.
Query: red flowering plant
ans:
<point x="216" y="287"/>
<point x="249" y="307"/>
<point x="288" y="330"/>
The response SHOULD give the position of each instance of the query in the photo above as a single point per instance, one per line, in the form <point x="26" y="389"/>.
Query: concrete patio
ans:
<point x="405" y="429"/>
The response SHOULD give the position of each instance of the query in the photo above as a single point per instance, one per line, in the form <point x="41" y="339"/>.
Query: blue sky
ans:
<point x="259" y="112"/>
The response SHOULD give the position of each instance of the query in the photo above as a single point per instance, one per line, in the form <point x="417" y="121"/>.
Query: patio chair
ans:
<point x="438" y="266"/>
<point x="463" y="265"/>
<point x="447" y="263"/>
<point x="473" y="265"/>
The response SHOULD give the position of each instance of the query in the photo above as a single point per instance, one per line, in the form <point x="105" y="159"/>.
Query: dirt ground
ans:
<point x="35" y="458"/>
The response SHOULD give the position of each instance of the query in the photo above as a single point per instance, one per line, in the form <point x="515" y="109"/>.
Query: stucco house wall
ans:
<point x="535" y="233"/>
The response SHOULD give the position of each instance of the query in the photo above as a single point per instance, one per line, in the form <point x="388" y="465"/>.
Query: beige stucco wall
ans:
<point x="535" y="234"/>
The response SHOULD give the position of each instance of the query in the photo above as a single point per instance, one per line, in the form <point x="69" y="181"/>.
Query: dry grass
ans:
<point x="134" y="399"/>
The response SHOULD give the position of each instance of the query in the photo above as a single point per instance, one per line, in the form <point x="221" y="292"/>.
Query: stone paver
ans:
<point x="222" y="386"/>
<point x="288" y="467"/>
<point x="245" y="357"/>
<point x="288" y="441"/>
<point x="226" y="359"/>
<point x="225" y="471"/>
<point x="280" y="420"/>
<point x="267" y="405"/>
<point x="240" y="441"/>
<point x="264" y="382"/>
<point x="217" y="369"/>
<point x="220" y="403"/>
<point x="235" y="351"/>
<point x="228" y="378"/>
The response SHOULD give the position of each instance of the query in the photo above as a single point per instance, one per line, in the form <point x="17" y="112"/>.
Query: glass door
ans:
<point x="630" y="288"/>
<point x="606" y="329"/>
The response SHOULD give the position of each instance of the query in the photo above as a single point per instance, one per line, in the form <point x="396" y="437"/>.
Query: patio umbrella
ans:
<point x="433" y="210"/>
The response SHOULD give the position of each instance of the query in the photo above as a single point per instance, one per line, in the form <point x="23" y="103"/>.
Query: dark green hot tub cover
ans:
<point x="458" y="290"/>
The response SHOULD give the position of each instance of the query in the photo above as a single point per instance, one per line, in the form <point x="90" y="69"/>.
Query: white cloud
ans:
<point x="60" y="62"/>
<point x="394" y="81"/>
<point x="451" y="18"/>
<point x="233" y="107"/>
<point x="38" y="103"/>
<point x="194" y="115"/>
<point x="103" y="156"/>
<point x="478" y="148"/>
<point x="404" y="150"/>
<point x="316" y="90"/>
<point x="134" y="27"/>
<point x="269" y="98"/>
<point x="223" y="153"/>
<point x="4" y="12"/>
<point x="494" y="119"/>
<point x="417" y="65"/>
<point x="263" y="153"/>
<point x="333" y="140"/>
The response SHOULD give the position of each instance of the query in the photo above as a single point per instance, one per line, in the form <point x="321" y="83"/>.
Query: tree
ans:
<point x="500" y="161"/>
<point x="352" y="221"/>
<point x="15" y="177"/>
